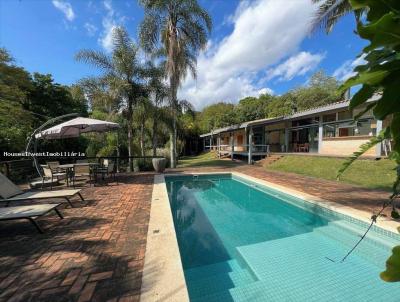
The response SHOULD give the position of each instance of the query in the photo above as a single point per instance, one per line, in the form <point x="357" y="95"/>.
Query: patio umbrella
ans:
<point x="76" y="127"/>
<point x="69" y="129"/>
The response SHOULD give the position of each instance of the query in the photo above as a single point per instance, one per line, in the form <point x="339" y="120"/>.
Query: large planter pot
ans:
<point x="159" y="164"/>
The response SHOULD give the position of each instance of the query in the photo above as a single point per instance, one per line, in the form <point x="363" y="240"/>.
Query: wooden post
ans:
<point x="250" y="150"/>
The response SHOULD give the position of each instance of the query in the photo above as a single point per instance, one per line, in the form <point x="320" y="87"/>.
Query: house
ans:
<point x="326" y="130"/>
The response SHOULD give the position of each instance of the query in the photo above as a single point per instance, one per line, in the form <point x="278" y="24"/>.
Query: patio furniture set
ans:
<point x="301" y="147"/>
<point x="9" y="192"/>
<point x="53" y="172"/>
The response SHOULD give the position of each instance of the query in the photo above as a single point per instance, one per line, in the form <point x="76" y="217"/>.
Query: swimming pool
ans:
<point x="242" y="241"/>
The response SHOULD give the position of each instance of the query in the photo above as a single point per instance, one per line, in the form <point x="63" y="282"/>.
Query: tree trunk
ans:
<point x="142" y="138"/>
<point x="173" y="143"/>
<point x="173" y="82"/>
<point x="130" y="130"/>
<point x="155" y="138"/>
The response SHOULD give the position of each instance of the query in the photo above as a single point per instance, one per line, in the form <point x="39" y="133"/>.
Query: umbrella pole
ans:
<point x="117" y="151"/>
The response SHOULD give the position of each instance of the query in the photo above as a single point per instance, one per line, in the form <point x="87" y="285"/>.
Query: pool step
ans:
<point x="381" y="241"/>
<point x="219" y="282"/>
<point x="298" y="268"/>
<point x="212" y="269"/>
<point x="372" y="247"/>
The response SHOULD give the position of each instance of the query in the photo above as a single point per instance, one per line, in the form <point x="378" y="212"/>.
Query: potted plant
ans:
<point x="159" y="164"/>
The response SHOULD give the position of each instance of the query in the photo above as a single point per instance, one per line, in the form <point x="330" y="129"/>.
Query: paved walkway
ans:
<point x="95" y="254"/>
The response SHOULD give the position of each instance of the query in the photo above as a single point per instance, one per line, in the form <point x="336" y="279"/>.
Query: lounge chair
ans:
<point x="81" y="172"/>
<point x="31" y="212"/>
<point x="10" y="192"/>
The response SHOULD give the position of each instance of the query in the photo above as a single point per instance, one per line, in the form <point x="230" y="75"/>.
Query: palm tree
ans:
<point x="121" y="72"/>
<point x="330" y="11"/>
<point x="158" y="92"/>
<point x="181" y="27"/>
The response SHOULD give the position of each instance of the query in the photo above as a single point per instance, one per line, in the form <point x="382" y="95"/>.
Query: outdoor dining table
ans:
<point x="70" y="167"/>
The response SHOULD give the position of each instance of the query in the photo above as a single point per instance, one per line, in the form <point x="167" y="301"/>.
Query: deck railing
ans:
<point x="239" y="148"/>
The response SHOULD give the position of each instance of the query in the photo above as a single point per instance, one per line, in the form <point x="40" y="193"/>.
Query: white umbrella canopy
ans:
<point x="76" y="127"/>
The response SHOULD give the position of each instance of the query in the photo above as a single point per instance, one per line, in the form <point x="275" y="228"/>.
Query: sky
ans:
<point x="256" y="46"/>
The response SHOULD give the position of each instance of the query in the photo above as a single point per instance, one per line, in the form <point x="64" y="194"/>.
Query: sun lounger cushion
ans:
<point x="8" y="188"/>
<point x="8" y="213"/>
<point x="45" y="194"/>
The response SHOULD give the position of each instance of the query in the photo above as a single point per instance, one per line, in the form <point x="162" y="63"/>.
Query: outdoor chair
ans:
<point x="52" y="173"/>
<point x="30" y="212"/>
<point x="81" y="171"/>
<point x="304" y="147"/>
<point x="108" y="168"/>
<point x="10" y="192"/>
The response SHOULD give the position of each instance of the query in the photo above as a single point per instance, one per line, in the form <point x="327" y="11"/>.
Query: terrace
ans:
<point x="97" y="252"/>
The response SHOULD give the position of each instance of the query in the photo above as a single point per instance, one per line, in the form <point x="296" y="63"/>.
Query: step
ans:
<point x="319" y="288"/>
<point x="373" y="248"/>
<point x="219" y="282"/>
<point x="212" y="269"/>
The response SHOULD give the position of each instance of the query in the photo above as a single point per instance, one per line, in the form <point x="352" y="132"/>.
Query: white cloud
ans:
<point x="296" y="65"/>
<point x="111" y="20"/>
<point x="109" y="24"/>
<point x="265" y="32"/>
<point x="265" y="90"/>
<point x="90" y="28"/>
<point x="345" y="71"/>
<point x="66" y="8"/>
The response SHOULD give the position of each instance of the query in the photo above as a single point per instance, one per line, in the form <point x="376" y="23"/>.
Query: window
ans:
<point x="329" y="117"/>
<point x="344" y="115"/>
<point x="329" y="131"/>
<point x="361" y="128"/>
<point x="306" y="121"/>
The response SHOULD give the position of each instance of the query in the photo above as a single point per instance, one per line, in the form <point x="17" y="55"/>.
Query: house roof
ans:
<point x="312" y="111"/>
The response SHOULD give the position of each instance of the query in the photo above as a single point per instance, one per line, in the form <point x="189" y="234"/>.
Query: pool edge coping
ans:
<point x="163" y="278"/>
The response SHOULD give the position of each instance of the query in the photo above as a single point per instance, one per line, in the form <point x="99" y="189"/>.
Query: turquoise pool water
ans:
<point x="240" y="241"/>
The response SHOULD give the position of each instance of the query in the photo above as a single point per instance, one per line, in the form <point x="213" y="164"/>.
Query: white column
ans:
<point x="378" y="149"/>
<point x="250" y="150"/>
<point x="320" y="134"/>
<point x="219" y="144"/>
<point x="286" y="139"/>
<point x="232" y="144"/>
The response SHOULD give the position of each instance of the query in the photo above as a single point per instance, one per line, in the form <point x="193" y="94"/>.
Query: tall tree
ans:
<point x="158" y="92"/>
<point x="181" y="27"/>
<point x="121" y="71"/>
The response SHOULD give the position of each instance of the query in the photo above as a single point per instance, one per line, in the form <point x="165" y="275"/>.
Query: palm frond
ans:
<point x="95" y="58"/>
<point x="329" y="12"/>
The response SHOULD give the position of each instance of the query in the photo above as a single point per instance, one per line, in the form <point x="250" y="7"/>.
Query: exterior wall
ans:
<point x="344" y="146"/>
<point x="240" y="145"/>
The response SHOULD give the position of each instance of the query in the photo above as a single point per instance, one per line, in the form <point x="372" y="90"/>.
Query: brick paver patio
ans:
<point x="95" y="254"/>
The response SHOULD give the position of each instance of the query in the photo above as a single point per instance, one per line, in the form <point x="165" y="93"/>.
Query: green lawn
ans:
<point x="367" y="173"/>
<point x="204" y="160"/>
